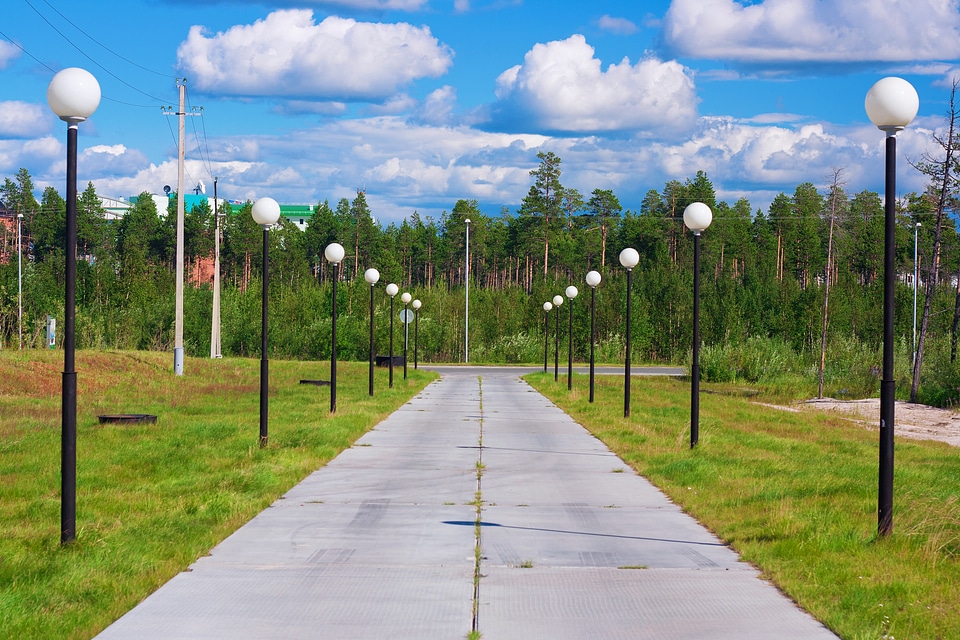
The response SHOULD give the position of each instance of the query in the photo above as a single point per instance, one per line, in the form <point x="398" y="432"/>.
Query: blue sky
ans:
<point x="424" y="102"/>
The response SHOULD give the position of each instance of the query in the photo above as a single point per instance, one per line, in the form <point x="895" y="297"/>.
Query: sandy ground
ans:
<point x="910" y="420"/>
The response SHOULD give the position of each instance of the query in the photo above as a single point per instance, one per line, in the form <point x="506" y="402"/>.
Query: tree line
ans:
<point x="765" y="274"/>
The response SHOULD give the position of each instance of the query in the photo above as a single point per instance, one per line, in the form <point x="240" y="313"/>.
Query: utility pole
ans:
<point x="178" y="336"/>
<point x="215" y="324"/>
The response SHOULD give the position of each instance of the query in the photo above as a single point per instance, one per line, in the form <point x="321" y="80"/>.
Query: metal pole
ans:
<point x="333" y="346"/>
<point x="887" y="383"/>
<point x="570" y="349"/>
<point x="371" y="338"/>
<point x="593" y="318"/>
<point x="264" y="367"/>
<point x="466" y="325"/>
<point x="626" y="367"/>
<point x="406" y="339"/>
<point x="391" y="342"/>
<point x="68" y="432"/>
<point x="416" y="336"/>
<point x="695" y="368"/>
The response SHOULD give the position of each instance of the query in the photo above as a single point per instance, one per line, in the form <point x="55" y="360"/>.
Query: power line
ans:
<point x="88" y="57"/>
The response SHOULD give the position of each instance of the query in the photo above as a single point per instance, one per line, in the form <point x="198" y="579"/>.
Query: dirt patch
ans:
<point x="917" y="421"/>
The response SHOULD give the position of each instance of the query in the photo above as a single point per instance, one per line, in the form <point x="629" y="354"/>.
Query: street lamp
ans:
<point x="20" y="281"/>
<point x="73" y="94"/>
<point x="593" y="279"/>
<point x="697" y="217"/>
<point x="392" y="290"/>
<point x="405" y="298"/>
<point x="891" y="104"/>
<point x="629" y="258"/>
<point x="466" y="315"/>
<point x="265" y="212"/>
<point x="571" y="292"/>
<point x="416" y="330"/>
<point x="546" y="332"/>
<point x="557" y="301"/>
<point x="334" y="254"/>
<point x="916" y="274"/>
<point x="372" y="276"/>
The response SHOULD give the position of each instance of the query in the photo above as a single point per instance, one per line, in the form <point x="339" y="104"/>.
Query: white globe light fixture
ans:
<point x="334" y="253"/>
<point x="416" y="305"/>
<point x="697" y="217"/>
<point x="405" y="298"/>
<point x="629" y="258"/>
<point x="416" y="331"/>
<point x="265" y="212"/>
<point x="891" y="104"/>
<point x="392" y="289"/>
<point x="593" y="279"/>
<point x="73" y="94"/>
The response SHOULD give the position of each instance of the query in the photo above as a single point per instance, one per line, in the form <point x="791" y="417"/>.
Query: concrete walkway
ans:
<point x="383" y="541"/>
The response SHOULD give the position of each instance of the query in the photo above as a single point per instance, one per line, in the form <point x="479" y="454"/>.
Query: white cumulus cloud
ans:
<point x="20" y="119"/>
<point x="289" y="54"/>
<point x="8" y="52"/>
<point x="620" y="26"/>
<point x="562" y="87"/>
<point x="803" y="31"/>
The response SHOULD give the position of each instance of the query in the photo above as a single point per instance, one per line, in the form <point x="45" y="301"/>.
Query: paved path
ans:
<point x="382" y="542"/>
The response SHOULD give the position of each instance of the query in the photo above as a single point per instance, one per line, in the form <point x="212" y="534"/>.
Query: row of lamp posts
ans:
<point x="74" y="94"/>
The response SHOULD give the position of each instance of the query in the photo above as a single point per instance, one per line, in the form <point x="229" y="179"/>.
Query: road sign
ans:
<point x="406" y="316"/>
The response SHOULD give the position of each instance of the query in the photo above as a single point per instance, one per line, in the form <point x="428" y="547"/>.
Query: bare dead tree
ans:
<point x="836" y="192"/>
<point x="942" y="172"/>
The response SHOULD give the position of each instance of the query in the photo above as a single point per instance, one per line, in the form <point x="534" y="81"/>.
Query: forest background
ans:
<point x="766" y="279"/>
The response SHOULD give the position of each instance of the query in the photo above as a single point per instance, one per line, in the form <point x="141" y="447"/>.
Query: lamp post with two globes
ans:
<point x="265" y="212"/>
<point x="334" y="254"/>
<point x="697" y="217"/>
<point x="73" y="94"/>
<point x="891" y="105"/>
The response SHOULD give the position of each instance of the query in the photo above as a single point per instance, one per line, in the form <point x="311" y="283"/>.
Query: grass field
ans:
<point x="796" y="495"/>
<point x="153" y="498"/>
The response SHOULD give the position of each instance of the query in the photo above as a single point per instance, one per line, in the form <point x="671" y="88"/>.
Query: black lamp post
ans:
<point x="405" y="298"/>
<point x="891" y="105"/>
<point x="372" y="276"/>
<point x="557" y="301"/>
<point x="392" y="291"/>
<point x="697" y="217"/>
<point x="629" y="258"/>
<point x="571" y="292"/>
<point x="547" y="306"/>
<point x="334" y="254"/>
<point x="416" y="330"/>
<point x="73" y="94"/>
<point x="265" y="212"/>
<point x="593" y="279"/>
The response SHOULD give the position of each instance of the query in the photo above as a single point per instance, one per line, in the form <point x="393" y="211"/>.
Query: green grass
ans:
<point x="151" y="499"/>
<point x="796" y="495"/>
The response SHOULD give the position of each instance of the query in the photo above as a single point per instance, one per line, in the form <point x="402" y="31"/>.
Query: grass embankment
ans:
<point x="796" y="495"/>
<point x="153" y="498"/>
